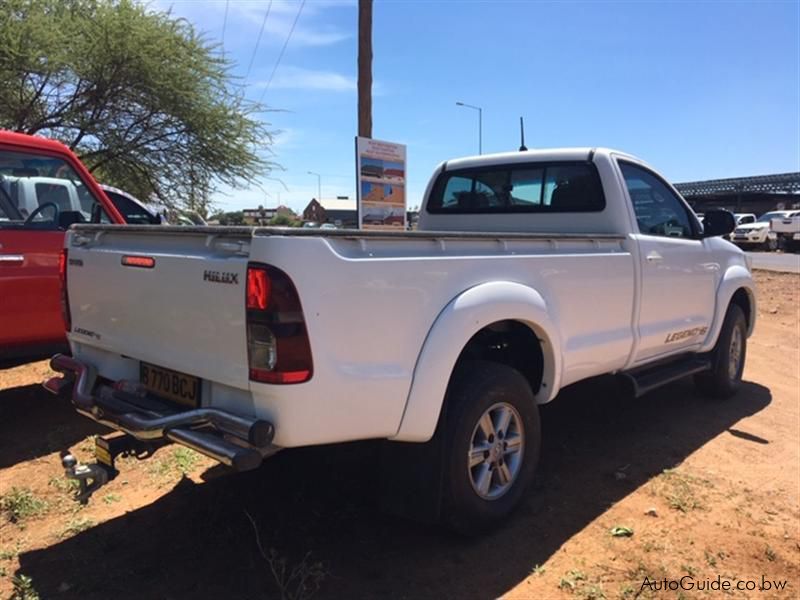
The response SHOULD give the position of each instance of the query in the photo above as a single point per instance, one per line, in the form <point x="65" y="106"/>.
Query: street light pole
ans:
<point x="319" y="185"/>
<point x="480" y="123"/>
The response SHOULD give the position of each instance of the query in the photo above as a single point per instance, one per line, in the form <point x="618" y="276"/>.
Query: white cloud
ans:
<point x="281" y="17"/>
<point x="288" y="77"/>
<point x="209" y="15"/>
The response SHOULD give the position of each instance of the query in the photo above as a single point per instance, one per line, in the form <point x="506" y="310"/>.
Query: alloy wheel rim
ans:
<point x="496" y="449"/>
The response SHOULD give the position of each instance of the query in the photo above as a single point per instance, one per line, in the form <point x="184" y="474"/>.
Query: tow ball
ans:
<point x="91" y="477"/>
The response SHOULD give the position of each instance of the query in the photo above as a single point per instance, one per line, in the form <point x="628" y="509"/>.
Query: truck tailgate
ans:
<point x="183" y="312"/>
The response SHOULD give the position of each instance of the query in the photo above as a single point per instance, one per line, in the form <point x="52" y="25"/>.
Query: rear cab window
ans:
<point x="519" y="188"/>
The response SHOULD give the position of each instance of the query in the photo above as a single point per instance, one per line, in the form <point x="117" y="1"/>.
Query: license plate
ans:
<point x="178" y="387"/>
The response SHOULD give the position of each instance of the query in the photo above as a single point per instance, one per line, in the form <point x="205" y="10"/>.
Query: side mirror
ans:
<point x="718" y="222"/>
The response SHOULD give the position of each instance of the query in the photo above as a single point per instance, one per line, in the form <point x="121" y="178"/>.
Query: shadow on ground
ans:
<point x="198" y="541"/>
<point x="34" y="423"/>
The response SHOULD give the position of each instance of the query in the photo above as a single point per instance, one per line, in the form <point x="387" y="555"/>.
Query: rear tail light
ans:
<point x="258" y="289"/>
<point x="62" y="276"/>
<point x="278" y="349"/>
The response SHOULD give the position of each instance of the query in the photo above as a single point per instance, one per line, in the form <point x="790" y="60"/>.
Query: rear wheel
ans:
<point x="492" y="445"/>
<point x="770" y="244"/>
<point x="729" y="355"/>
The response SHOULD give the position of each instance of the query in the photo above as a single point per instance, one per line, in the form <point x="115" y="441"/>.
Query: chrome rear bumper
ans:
<point x="236" y="441"/>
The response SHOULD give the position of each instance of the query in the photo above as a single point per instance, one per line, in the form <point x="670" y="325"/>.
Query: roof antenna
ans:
<point x="522" y="147"/>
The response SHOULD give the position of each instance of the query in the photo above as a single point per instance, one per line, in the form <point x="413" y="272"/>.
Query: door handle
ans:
<point x="654" y="257"/>
<point x="11" y="259"/>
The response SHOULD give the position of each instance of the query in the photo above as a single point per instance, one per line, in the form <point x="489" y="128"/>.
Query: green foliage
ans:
<point x="20" y="504"/>
<point x="185" y="459"/>
<point x="147" y="102"/>
<point x="180" y="461"/>
<point x="282" y="220"/>
<point x="64" y="485"/>
<point x="23" y="589"/>
<point x="229" y="218"/>
<point x="75" y="526"/>
<point x="621" y="531"/>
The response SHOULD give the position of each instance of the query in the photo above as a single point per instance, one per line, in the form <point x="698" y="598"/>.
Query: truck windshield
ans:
<point x="29" y="181"/>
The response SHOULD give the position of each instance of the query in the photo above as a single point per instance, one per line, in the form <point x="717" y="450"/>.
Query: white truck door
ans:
<point x="678" y="272"/>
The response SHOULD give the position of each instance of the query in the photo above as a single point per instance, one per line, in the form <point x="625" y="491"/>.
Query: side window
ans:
<point x="53" y="193"/>
<point x="658" y="210"/>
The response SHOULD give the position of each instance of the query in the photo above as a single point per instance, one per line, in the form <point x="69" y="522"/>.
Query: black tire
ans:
<point x="722" y="380"/>
<point x="476" y="387"/>
<point x="770" y="245"/>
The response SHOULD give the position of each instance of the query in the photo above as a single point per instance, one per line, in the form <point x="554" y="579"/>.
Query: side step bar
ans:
<point x="648" y="378"/>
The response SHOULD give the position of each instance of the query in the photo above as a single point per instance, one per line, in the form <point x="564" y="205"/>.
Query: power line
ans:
<point x="224" y="24"/>
<point x="280" y="56"/>
<point x="258" y="40"/>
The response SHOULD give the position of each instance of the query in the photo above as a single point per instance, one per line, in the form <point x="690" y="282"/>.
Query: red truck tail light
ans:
<point x="143" y="262"/>
<point x="258" y="289"/>
<point x="62" y="276"/>
<point x="278" y="350"/>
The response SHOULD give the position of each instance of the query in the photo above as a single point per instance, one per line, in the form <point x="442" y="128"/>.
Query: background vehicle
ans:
<point x="43" y="190"/>
<point x="757" y="235"/>
<point x="787" y="229"/>
<point x="187" y="218"/>
<point x="533" y="270"/>
<point x="133" y="210"/>
<point x="29" y="192"/>
<point x="741" y="219"/>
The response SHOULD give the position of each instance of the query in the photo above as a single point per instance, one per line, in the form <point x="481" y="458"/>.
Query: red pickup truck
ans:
<point x="44" y="189"/>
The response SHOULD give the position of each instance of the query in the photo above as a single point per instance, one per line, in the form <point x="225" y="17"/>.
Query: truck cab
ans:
<point x="43" y="190"/>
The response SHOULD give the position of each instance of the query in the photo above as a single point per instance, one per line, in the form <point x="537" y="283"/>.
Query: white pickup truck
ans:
<point x="759" y="234"/>
<point x="787" y="229"/>
<point x="531" y="271"/>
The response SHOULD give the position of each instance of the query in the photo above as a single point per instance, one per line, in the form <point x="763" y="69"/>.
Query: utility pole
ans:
<point x="365" y="68"/>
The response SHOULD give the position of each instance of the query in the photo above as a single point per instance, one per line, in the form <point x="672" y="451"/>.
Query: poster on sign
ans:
<point x="381" y="184"/>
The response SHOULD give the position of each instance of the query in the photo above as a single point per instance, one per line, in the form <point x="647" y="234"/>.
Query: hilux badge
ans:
<point x="221" y="277"/>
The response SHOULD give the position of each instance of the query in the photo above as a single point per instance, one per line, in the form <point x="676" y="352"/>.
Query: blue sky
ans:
<point x="700" y="90"/>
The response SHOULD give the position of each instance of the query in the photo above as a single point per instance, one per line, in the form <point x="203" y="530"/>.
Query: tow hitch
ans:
<point x="91" y="477"/>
